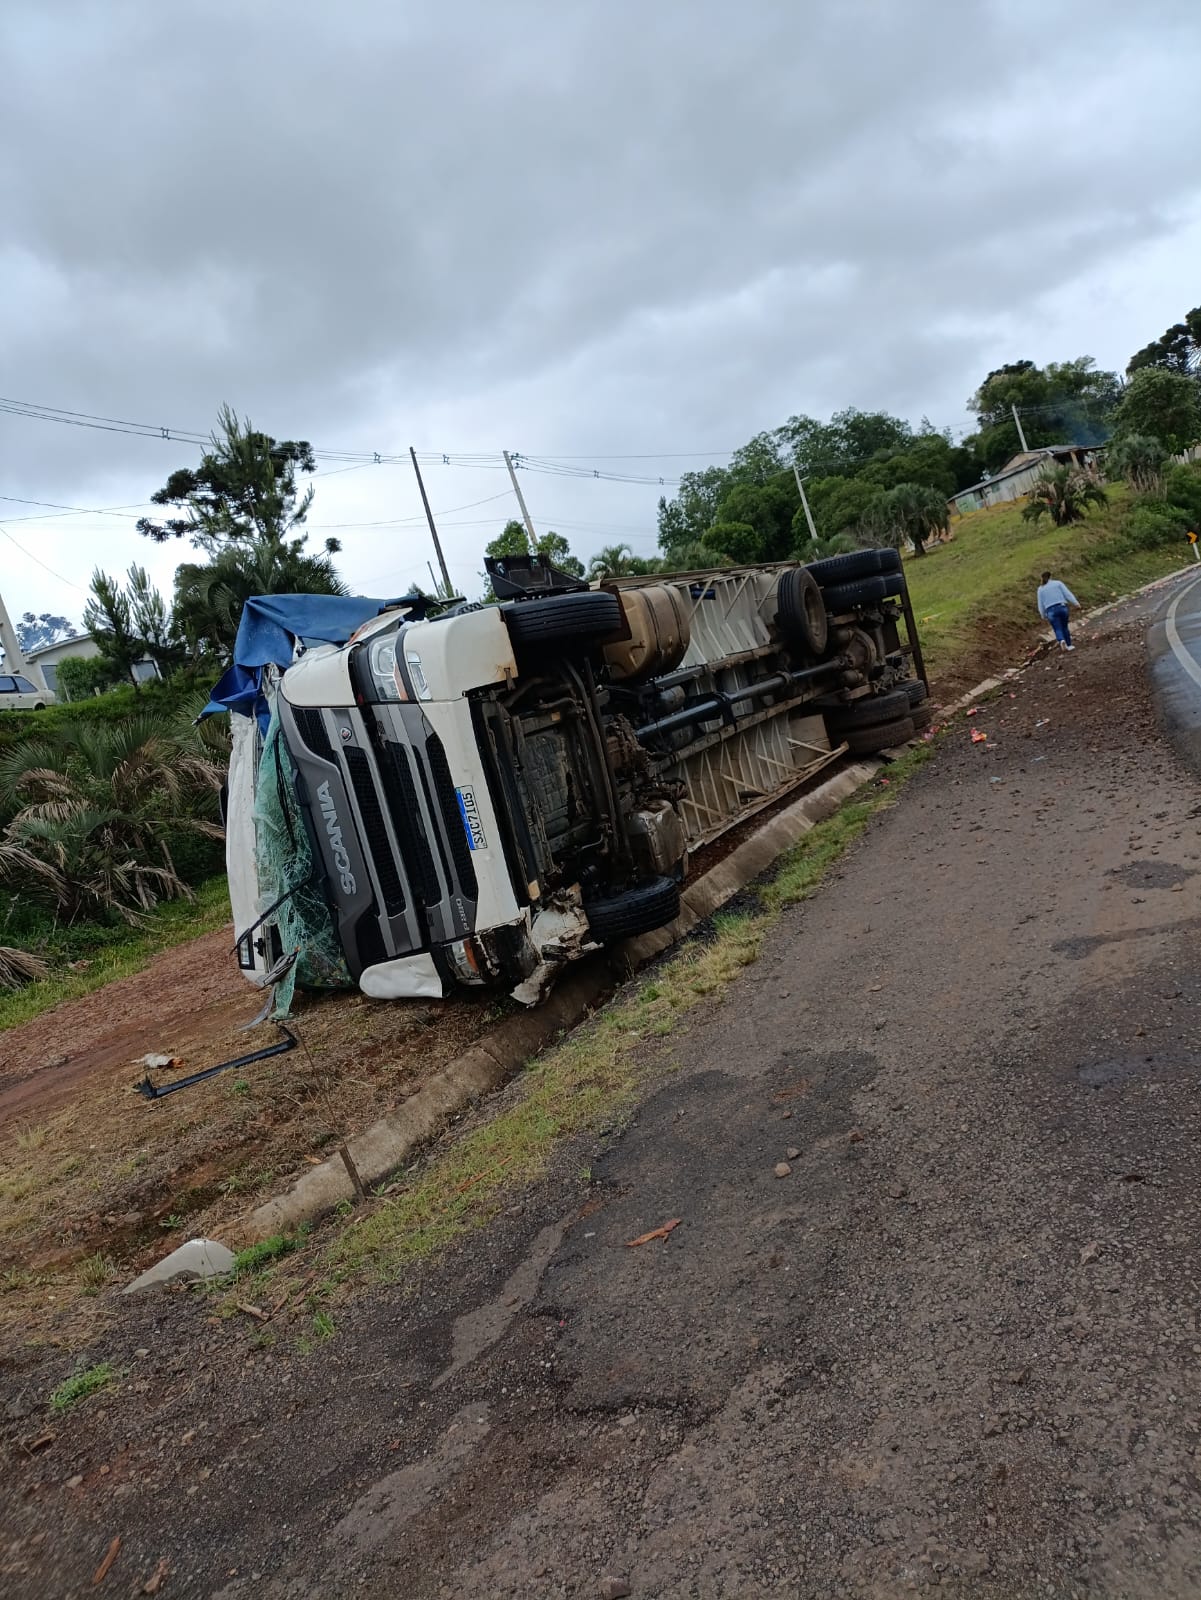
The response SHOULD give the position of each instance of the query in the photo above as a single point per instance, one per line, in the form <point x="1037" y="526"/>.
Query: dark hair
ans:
<point x="1046" y="577"/>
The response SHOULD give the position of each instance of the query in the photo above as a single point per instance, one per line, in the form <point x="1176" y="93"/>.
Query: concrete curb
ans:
<point x="493" y="1060"/>
<point x="388" y="1143"/>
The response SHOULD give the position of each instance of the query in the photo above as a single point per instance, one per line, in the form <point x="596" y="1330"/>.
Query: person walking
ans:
<point x="1054" y="598"/>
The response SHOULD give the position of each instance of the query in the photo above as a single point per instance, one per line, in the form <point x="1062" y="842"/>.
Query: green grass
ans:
<point x="172" y="923"/>
<point x="595" y="1073"/>
<point x="80" y="1385"/>
<point x="256" y="1256"/>
<point x="974" y="598"/>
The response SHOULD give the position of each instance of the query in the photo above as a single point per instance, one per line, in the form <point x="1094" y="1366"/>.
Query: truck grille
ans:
<point x="374" y="828"/>
<point x="313" y="731"/>
<point x="396" y="775"/>
<point x="452" y="817"/>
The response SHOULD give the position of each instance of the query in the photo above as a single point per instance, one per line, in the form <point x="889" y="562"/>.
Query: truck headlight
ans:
<point x="467" y="961"/>
<point x="381" y="657"/>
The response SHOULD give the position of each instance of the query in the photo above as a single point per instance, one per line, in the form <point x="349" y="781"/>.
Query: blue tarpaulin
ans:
<point x="267" y="634"/>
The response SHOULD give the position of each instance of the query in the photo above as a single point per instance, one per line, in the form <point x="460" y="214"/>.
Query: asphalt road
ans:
<point x="1174" y="647"/>
<point x="955" y="1346"/>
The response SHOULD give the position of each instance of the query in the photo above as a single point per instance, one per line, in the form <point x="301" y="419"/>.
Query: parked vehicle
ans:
<point x="19" y="693"/>
<point x="487" y="794"/>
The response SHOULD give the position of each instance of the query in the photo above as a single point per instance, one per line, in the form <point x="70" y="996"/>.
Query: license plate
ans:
<point x="471" y="819"/>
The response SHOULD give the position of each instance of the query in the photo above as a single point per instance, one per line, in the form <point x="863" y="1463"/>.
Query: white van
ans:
<point x="18" y="693"/>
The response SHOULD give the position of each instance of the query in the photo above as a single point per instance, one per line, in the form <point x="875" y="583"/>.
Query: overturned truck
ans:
<point x="483" y="795"/>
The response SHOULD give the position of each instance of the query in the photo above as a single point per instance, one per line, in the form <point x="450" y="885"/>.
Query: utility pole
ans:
<point x="429" y="517"/>
<point x="14" y="658"/>
<point x="525" y="516"/>
<point x="1021" y="432"/>
<point x="804" y="503"/>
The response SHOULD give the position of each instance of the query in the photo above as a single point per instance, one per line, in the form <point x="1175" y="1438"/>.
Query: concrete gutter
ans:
<point x="493" y="1060"/>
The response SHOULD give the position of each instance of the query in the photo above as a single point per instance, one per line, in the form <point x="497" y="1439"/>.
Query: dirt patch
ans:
<point x="97" y="1182"/>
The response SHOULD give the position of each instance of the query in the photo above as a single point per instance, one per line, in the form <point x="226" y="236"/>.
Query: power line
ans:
<point x="69" y="581"/>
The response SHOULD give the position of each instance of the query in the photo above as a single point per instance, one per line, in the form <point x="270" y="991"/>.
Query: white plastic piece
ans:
<point x="406" y="978"/>
<point x="240" y="863"/>
<point x="461" y="653"/>
<point x="199" y="1258"/>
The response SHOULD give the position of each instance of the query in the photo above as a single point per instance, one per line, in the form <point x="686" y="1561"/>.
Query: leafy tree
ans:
<point x="839" y="506"/>
<point x="94" y="809"/>
<point x="684" y="519"/>
<point x="1164" y="404"/>
<point x="242" y="508"/>
<point x="768" y="508"/>
<point x="1063" y="494"/>
<point x="243" y="491"/>
<point x="36" y="631"/>
<point x="1069" y="402"/>
<point x="1139" y="459"/>
<point x="1176" y="350"/>
<point x="757" y="460"/>
<point x="108" y="617"/>
<point x="738" y="541"/>
<point x="79" y="677"/>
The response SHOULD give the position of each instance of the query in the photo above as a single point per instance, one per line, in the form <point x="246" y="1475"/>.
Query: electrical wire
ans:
<point x="69" y="581"/>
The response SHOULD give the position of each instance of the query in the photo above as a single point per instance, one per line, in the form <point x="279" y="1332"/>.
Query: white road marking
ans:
<point x="1185" y="658"/>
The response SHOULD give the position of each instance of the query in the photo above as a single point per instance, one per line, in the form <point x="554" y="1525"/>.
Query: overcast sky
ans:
<point x="593" y="230"/>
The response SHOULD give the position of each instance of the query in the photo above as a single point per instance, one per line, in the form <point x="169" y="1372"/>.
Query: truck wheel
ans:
<point x="866" y="741"/>
<point x="873" y="708"/>
<point x="916" y="690"/>
<point x="922" y="715"/>
<point x="858" y="564"/>
<point x="863" y="592"/>
<point x="801" y="611"/>
<point x="642" y="909"/>
<point x="564" y="624"/>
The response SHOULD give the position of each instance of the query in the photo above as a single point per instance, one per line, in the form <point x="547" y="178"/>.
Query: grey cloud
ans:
<point x="685" y="218"/>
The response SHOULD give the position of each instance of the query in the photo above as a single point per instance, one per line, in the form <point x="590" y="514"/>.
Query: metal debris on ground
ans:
<point x="153" y="1091"/>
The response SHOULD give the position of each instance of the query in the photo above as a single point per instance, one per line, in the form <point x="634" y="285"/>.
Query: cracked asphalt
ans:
<point x="955" y="1346"/>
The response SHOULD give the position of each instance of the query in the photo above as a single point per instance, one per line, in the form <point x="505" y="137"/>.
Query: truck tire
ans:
<point x="922" y="715"/>
<point x="872" y="709"/>
<point x="858" y="564"/>
<point x="866" y="741"/>
<point x="801" y="611"/>
<point x="641" y="909"/>
<point x="863" y="592"/>
<point x="916" y="690"/>
<point x="564" y="624"/>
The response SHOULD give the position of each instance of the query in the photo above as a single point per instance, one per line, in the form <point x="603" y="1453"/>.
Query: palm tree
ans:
<point x="93" y="808"/>
<point x="1139" y="459"/>
<point x="209" y="597"/>
<point x="619" y="561"/>
<point x="912" y="511"/>
<point x="19" y="966"/>
<point x="1063" y="494"/>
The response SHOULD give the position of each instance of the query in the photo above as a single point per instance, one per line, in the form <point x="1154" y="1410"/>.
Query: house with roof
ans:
<point x="1019" y="475"/>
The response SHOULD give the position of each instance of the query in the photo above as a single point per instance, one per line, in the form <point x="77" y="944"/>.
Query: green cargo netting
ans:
<point x="285" y="867"/>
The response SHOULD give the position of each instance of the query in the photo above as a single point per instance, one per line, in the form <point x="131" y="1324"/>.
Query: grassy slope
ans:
<point x="172" y="923"/>
<point x="974" y="597"/>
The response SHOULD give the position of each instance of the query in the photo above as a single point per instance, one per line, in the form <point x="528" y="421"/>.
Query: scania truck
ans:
<point x="483" y="795"/>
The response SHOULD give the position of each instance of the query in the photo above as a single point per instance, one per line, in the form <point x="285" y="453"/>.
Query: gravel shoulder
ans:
<point x="954" y="1345"/>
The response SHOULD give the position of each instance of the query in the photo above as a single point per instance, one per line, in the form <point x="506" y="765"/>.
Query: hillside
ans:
<point x="974" y="597"/>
